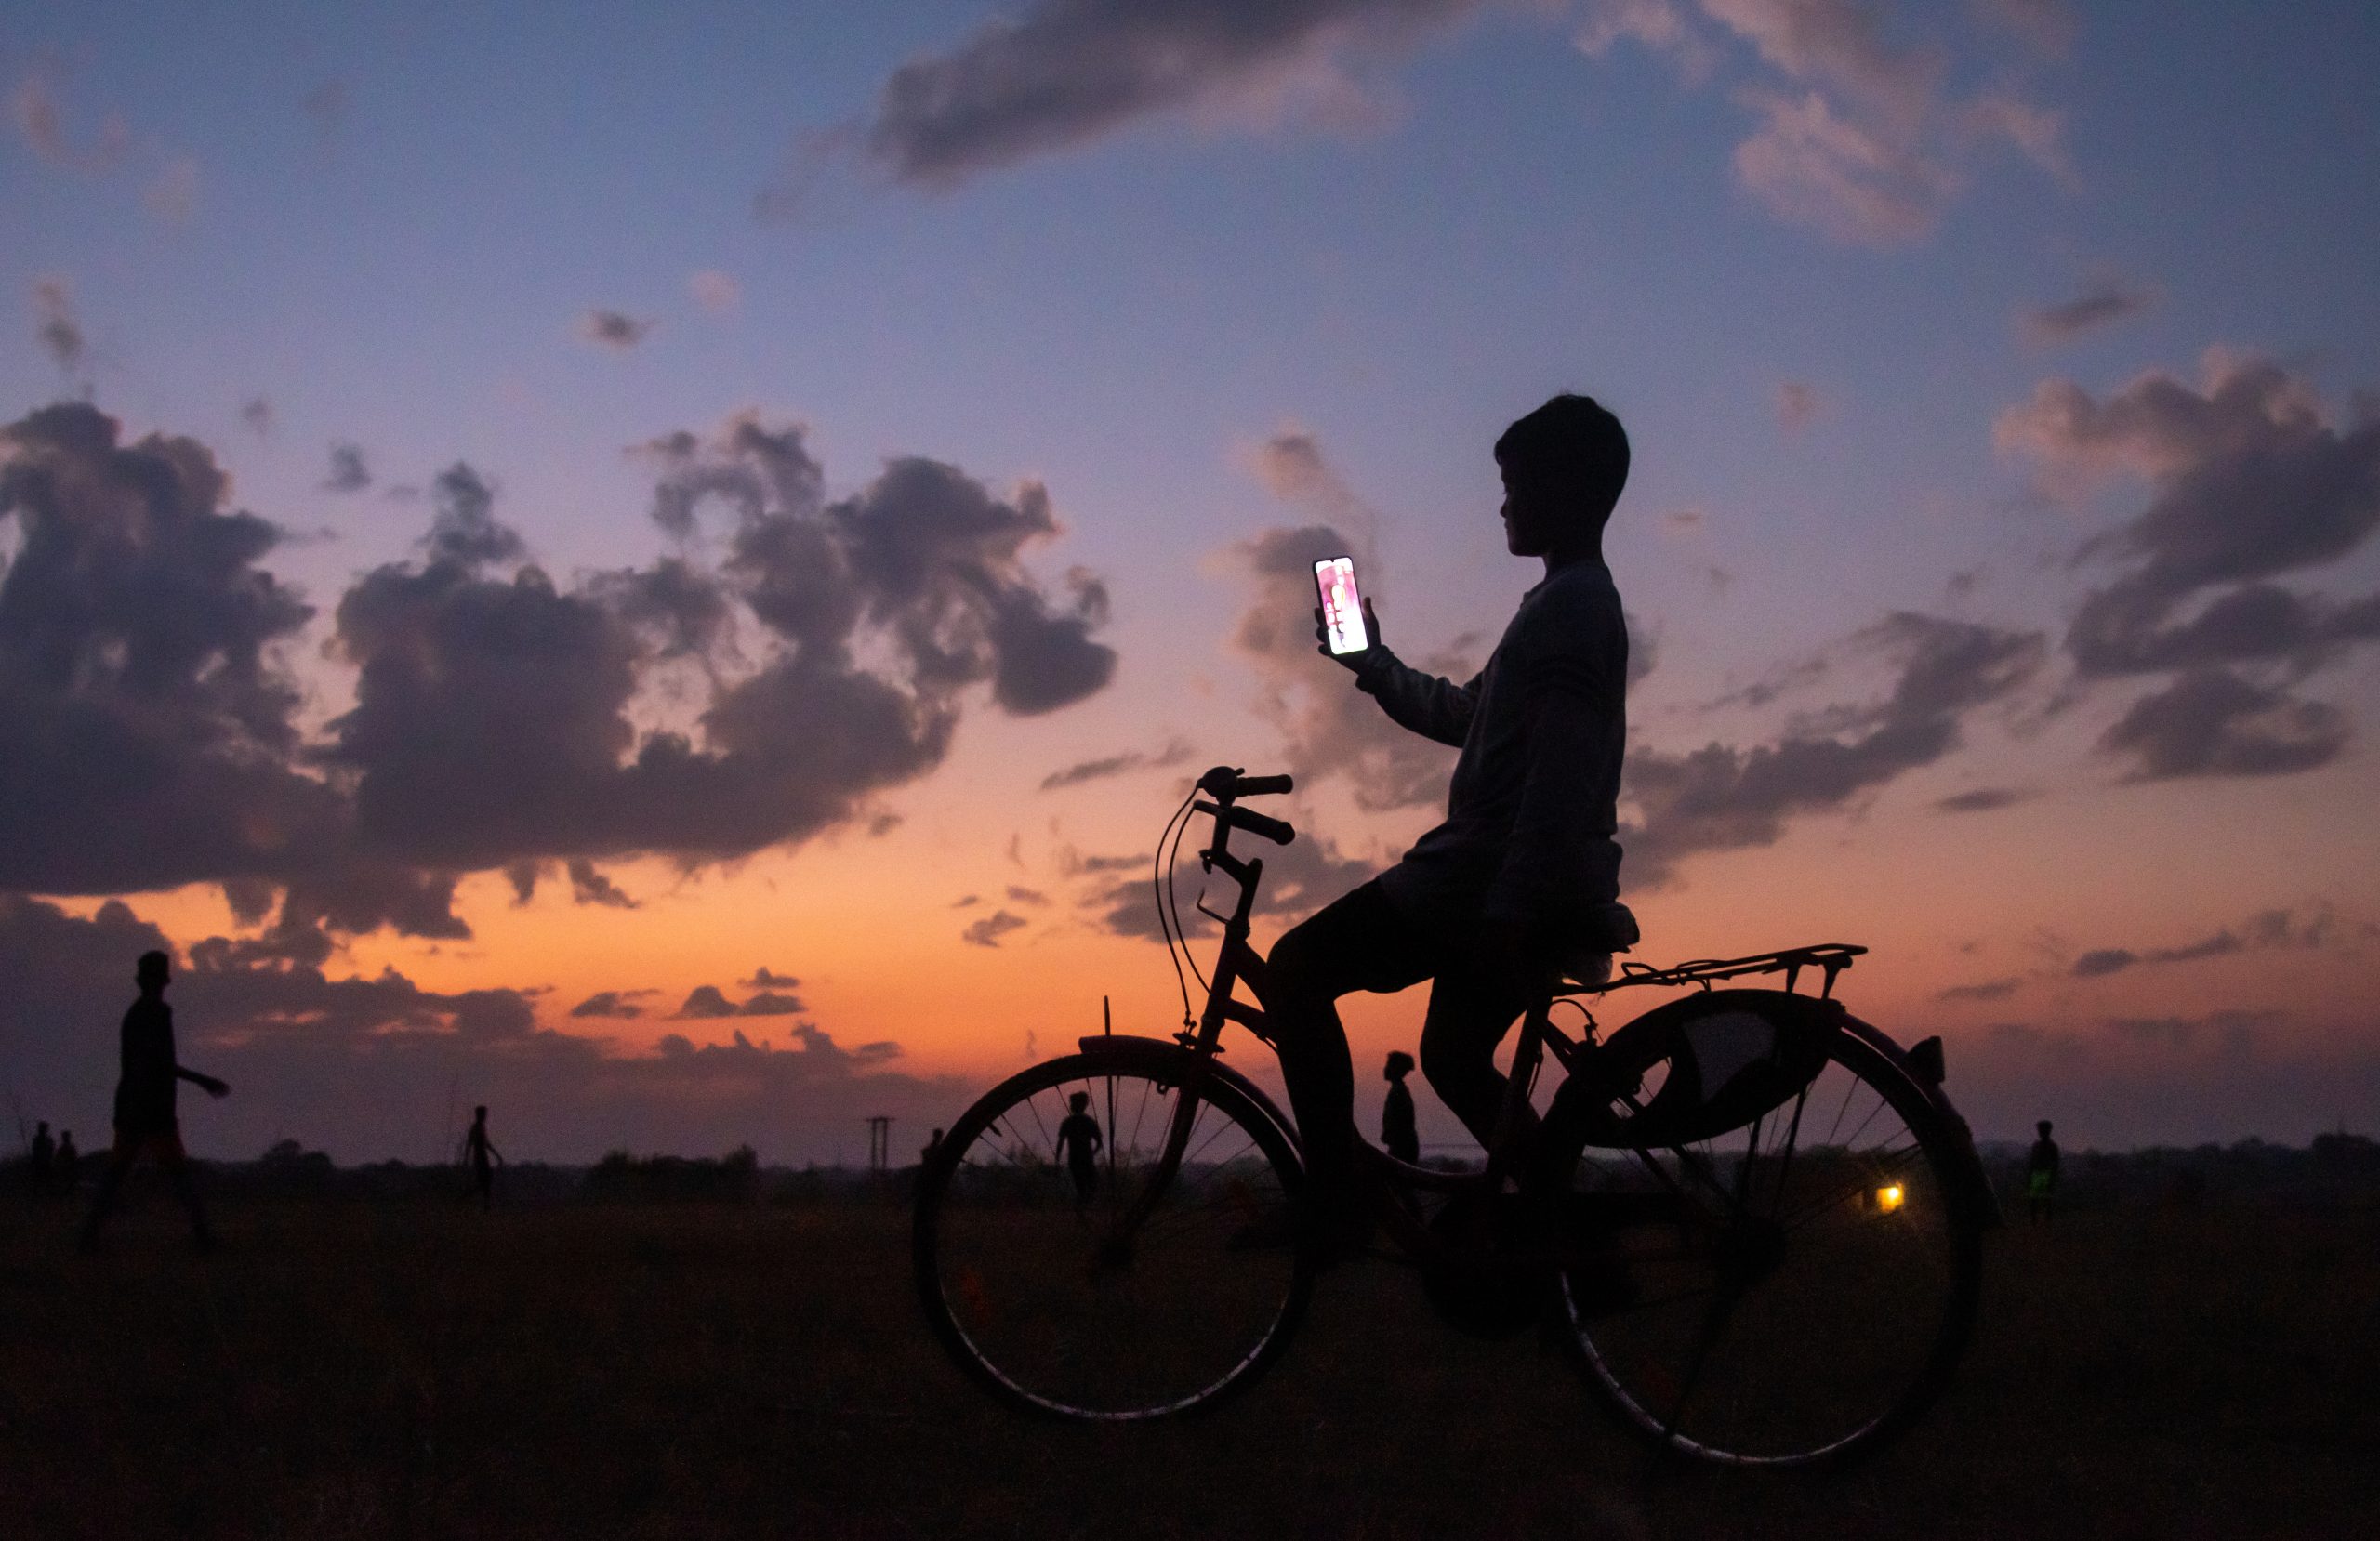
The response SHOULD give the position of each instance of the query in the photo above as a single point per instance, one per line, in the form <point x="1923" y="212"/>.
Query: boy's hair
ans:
<point x="1400" y="1063"/>
<point x="1079" y="1100"/>
<point x="153" y="965"/>
<point x="1572" y="447"/>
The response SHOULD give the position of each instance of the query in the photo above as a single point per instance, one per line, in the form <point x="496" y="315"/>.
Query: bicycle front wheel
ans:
<point x="1150" y="1277"/>
<point x="1791" y="1293"/>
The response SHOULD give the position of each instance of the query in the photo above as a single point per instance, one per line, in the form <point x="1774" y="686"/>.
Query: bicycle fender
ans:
<point x="1136" y="1051"/>
<point x="1974" y="1184"/>
<point x="1730" y="1056"/>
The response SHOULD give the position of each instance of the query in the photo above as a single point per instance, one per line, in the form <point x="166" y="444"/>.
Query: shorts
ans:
<point x="162" y="1145"/>
<point x="2039" y="1185"/>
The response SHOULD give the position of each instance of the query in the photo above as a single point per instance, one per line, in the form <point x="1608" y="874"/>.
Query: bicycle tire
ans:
<point x="1028" y="1293"/>
<point x="1863" y="1276"/>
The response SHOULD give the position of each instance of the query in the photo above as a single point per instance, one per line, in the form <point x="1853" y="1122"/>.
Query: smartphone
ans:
<point x="1342" y="607"/>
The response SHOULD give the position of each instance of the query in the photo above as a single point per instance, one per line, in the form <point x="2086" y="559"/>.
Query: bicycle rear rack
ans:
<point x="1828" y="957"/>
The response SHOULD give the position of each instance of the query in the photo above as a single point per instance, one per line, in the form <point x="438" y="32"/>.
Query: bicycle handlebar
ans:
<point x="1227" y="782"/>
<point x="1278" y="831"/>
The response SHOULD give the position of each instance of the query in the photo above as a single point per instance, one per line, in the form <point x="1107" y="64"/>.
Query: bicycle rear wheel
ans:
<point x="1162" y="1277"/>
<point x="1793" y="1293"/>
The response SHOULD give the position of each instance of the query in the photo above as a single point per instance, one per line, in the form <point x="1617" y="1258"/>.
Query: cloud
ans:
<point x="173" y="194"/>
<point x="589" y="886"/>
<point x="2250" y="479"/>
<point x="715" y="292"/>
<point x="34" y="109"/>
<point x="348" y="473"/>
<point x="1299" y="878"/>
<point x="60" y="333"/>
<point x="1019" y="895"/>
<point x="1175" y="752"/>
<point x="1065" y="74"/>
<point x="613" y="329"/>
<point x="766" y="978"/>
<point x="707" y="1002"/>
<point x="1798" y="405"/>
<point x="988" y="931"/>
<point x="2233" y="1029"/>
<point x="2264" y="931"/>
<point x="2102" y="303"/>
<point x="1721" y="797"/>
<point x="1856" y="133"/>
<point x="1984" y="799"/>
<point x="619" y="1004"/>
<point x="1989" y="990"/>
<point x="256" y="413"/>
<point x="499" y="721"/>
<point x="1292" y="467"/>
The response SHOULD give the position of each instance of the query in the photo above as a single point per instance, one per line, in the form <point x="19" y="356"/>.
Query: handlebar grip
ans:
<point x="1276" y="830"/>
<point x="1261" y="787"/>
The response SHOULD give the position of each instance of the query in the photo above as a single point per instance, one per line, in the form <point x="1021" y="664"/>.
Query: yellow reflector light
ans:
<point x="1888" y="1197"/>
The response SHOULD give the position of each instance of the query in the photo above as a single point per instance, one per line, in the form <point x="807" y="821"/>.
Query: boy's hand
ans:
<point x="219" y="1089"/>
<point x="1352" y="662"/>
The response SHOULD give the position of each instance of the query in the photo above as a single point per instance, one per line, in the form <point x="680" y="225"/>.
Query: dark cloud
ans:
<point x="589" y="886"/>
<point x="1175" y="752"/>
<point x="1983" y="799"/>
<point x="706" y="1001"/>
<point x="2266" y="930"/>
<point x="611" y="1004"/>
<point x="54" y="323"/>
<point x="1798" y="405"/>
<point x="1019" y="895"/>
<point x="256" y="413"/>
<point x="1065" y="73"/>
<point x="374" y="1067"/>
<point x="988" y="931"/>
<point x="2103" y="303"/>
<point x="348" y="473"/>
<point x="2250" y="480"/>
<point x="2212" y="722"/>
<point x="766" y="978"/>
<point x="613" y="329"/>
<point x="1720" y="798"/>
<point x="499" y="721"/>
<point x="1987" y="990"/>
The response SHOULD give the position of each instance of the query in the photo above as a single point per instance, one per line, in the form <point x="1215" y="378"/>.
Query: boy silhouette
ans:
<point x="481" y="1152"/>
<point x="41" y="1159"/>
<point x="1079" y="1146"/>
<point x="1397" y="1134"/>
<point x="1522" y="880"/>
<point x="145" y="1121"/>
<point x="2040" y="1176"/>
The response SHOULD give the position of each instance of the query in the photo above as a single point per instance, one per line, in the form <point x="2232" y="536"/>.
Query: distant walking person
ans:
<point x="484" y="1157"/>
<point x="40" y="1157"/>
<point x="145" y="1121"/>
<point x="1080" y="1142"/>
<point x="931" y="1149"/>
<point x="2040" y="1176"/>
<point x="1396" y="1131"/>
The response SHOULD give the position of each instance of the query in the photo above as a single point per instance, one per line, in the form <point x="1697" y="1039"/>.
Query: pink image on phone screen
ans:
<point x="1342" y="607"/>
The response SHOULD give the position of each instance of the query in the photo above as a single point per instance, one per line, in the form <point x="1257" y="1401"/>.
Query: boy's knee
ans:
<point x="1452" y="1062"/>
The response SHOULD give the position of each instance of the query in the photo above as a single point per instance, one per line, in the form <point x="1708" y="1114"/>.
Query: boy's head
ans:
<point x="154" y="971"/>
<point x="1400" y="1065"/>
<point x="479" y="1114"/>
<point x="2043" y="1127"/>
<point x="1563" y="467"/>
<point x="1079" y="1100"/>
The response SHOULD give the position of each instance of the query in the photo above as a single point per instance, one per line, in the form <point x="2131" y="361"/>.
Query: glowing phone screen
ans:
<point x="1342" y="608"/>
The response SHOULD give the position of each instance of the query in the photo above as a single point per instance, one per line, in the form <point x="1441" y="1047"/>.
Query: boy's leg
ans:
<point x="176" y="1164"/>
<point x="1355" y="942"/>
<point x="119" y="1161"/>
<point x="1470" y="1012"/>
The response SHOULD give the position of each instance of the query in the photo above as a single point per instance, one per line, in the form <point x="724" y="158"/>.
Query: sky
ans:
<point x="660" y="568"/>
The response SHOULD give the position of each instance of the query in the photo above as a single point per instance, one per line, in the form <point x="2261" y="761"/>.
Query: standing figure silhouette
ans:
<point x="2041" y="1177"/>
<point x="145" y="1121"/>
<point x="1522" y="880"/>
<point x="1398" y="1135"/>
<point x="40" y="1161"/>
<point x="480" y="1151"/>
<point x="1079" y="1143"/>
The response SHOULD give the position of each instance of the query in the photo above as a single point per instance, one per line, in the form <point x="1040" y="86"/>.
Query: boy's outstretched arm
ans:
<point x="1425" y="704"/>
<point x="199" y="1078"/>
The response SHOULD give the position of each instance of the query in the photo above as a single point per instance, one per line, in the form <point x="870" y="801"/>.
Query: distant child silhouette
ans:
<point x="40" y="1161"/>
<point x="145" y="1121"/>
<point x="481" y="1152"/>
<point x="1080" y="1142"/>
<point x="931" y="1149"/>
<point x="2040" y="1176"/>
<point x="70" y="1162"/>
<point x="1396" y="1131"/>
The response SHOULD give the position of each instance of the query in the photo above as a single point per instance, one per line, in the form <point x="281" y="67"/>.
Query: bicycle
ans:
<point x="1737" y="1292"/>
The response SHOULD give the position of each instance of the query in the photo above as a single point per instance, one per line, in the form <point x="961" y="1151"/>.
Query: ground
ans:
<point x="414" y="1368"/>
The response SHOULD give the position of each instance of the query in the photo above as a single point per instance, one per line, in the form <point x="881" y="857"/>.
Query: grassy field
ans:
<point x="407" y="1370"/>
